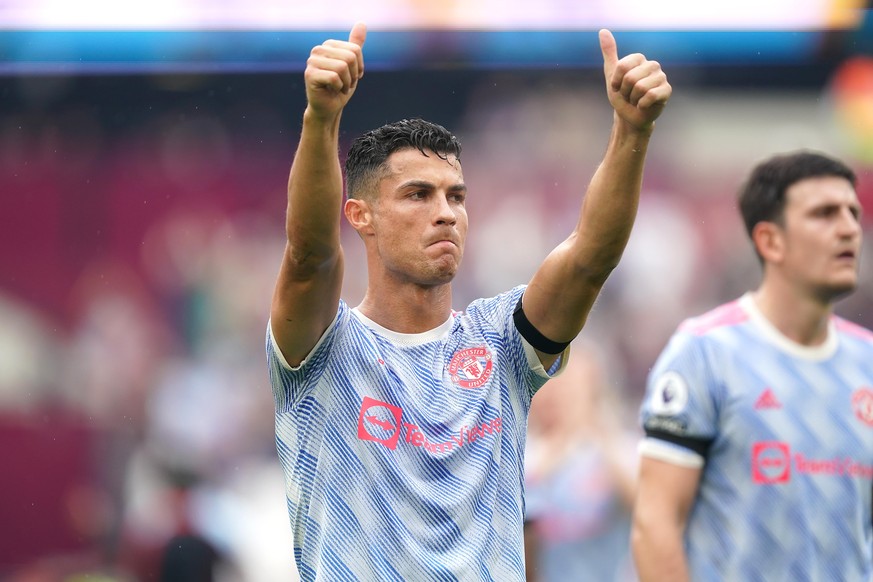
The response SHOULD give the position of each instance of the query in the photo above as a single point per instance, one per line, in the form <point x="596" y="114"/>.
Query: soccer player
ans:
<point x="758" y="459"/>
<point x="400" y="423"/>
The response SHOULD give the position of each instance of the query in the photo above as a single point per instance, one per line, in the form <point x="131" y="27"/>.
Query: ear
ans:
<point x="769" y="239"/>
<point x="359" y="215"/>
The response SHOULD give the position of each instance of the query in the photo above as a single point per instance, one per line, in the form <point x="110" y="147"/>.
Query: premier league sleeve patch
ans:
<point x="669" y="395"/>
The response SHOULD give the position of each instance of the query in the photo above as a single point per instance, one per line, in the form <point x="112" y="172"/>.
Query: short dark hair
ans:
<point x="762" y="197"/>
<point x="369" y="152"/>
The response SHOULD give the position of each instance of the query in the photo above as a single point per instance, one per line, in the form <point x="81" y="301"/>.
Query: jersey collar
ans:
<point x="780" y="340"/>
<point x="407" y="339"/>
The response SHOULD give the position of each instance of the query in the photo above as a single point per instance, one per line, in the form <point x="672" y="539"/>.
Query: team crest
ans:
<point x="862" y="404"/>
<point x="471" y="368"/>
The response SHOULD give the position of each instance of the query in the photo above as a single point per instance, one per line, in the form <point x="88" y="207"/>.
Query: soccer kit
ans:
<point x="784" y="436"/>
<point x="403" y="453"/>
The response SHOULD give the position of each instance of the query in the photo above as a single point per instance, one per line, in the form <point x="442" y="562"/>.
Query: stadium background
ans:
<point x="143" y="161"/>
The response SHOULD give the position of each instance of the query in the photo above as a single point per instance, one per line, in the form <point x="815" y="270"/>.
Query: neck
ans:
<point x="408" y="308"/>
<point x="800" y="317"/>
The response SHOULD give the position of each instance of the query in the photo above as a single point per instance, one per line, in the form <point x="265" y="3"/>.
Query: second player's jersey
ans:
<point x="784" y="434"/>
<point x="403" y="453"/>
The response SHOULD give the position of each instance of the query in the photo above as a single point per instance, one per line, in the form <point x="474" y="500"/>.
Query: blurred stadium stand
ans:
<point x="142" y="178"/>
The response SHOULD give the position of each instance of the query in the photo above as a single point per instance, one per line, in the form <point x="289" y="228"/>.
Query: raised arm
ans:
<point x="563" y="289"/>
<point x="665" y="497"/>
<point x="308" y="287"/>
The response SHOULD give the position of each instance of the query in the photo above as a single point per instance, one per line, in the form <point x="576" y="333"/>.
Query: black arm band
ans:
<point x="698" y="445"/>
<point x="533" y="335"/>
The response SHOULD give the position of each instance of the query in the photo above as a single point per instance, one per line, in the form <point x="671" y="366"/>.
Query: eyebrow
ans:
<point x="855" y="208"/>
<point x="429" y="186"/>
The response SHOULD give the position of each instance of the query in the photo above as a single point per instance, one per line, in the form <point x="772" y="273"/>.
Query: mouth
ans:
<point x="847" y="259"/>
<point x="440" y="241"/>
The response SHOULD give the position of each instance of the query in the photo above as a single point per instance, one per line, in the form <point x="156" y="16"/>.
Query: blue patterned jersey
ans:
<point x="403" y="453"/>
<point x="784" y="434"/>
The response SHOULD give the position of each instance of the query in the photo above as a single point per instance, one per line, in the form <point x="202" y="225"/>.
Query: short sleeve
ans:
<point x="679" y="412"/>
<point x="289" y="383"/>
<point x="496" y="314"/>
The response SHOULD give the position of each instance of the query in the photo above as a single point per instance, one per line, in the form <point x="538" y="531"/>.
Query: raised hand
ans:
<point x="333" y="71"/>
<point x="637" y="87"/>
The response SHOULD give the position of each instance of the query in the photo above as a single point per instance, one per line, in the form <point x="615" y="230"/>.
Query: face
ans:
<point x="419" y="221"/>
<point x="821" y="236"/>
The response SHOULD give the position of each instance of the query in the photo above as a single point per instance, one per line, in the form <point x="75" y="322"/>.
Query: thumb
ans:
<point x="609" y="50"/>
<point x="358" y="34"/>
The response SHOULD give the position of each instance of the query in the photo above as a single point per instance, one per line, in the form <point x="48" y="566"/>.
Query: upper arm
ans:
<point x="665" y="493"/>
<point x="680" y="418"/>
<point x="305" y="301"/>
<point x="665" y="496"/>
<point x="559" y="297"/>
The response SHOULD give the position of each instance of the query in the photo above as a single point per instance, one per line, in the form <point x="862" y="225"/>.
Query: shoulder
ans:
<point x="494" y="309"/>
<point x="486" y="304"/>
<point x="852" y="330"/>
<point x="703" y="340"/>
<point x="726" y="315"/>
<point x="322" y="348"/>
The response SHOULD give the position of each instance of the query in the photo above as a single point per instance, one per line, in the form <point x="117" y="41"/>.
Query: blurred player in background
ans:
<point x="580" y="477"/>
<point x="400" y="423"/>
<point x="758" y="461"/>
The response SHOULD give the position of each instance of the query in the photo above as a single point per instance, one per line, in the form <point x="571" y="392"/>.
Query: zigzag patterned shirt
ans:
<point x="403" y="453"/>
<point x="784" y="436"/>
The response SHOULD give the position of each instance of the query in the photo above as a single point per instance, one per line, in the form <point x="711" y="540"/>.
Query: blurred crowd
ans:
<point x="136" y="270"/>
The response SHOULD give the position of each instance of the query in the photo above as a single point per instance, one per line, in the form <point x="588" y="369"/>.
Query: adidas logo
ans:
<point x="767" y="400"/>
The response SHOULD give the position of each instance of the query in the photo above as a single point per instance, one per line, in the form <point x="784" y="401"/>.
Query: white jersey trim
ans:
<point x="773" y="335"/>
<point x="536" y="366"/>
<point x="408" y="339"/>
<point x="659" y="450"/>
<point x="281" y="357"/>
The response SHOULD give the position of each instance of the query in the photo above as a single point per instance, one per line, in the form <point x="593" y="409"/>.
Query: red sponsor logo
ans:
<point x="468" y="434"/>
<point x="383" y="423"/>
<point x="379" y="422"/>
<point x="862" y="404"/>
<point x="835" y="467"/>
<point x="771" y="462"/>
<point x="471" y="368"/>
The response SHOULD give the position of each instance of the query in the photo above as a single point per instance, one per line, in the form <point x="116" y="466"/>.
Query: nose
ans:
<point x="444" y="213"/>
<point x="850" y="225"/>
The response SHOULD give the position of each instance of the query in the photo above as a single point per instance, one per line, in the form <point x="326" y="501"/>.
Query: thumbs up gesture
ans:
<point x="637" y="87"/>
<point x="333" y="71"/>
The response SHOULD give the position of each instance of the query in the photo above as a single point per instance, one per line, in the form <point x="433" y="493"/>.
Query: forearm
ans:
<point x="315" y="192"/>
<point x="611" y="202"/>
<point x="659" y="554"/>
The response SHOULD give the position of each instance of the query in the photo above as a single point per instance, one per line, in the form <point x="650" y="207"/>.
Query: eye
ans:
<point x="825" y="211"/>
